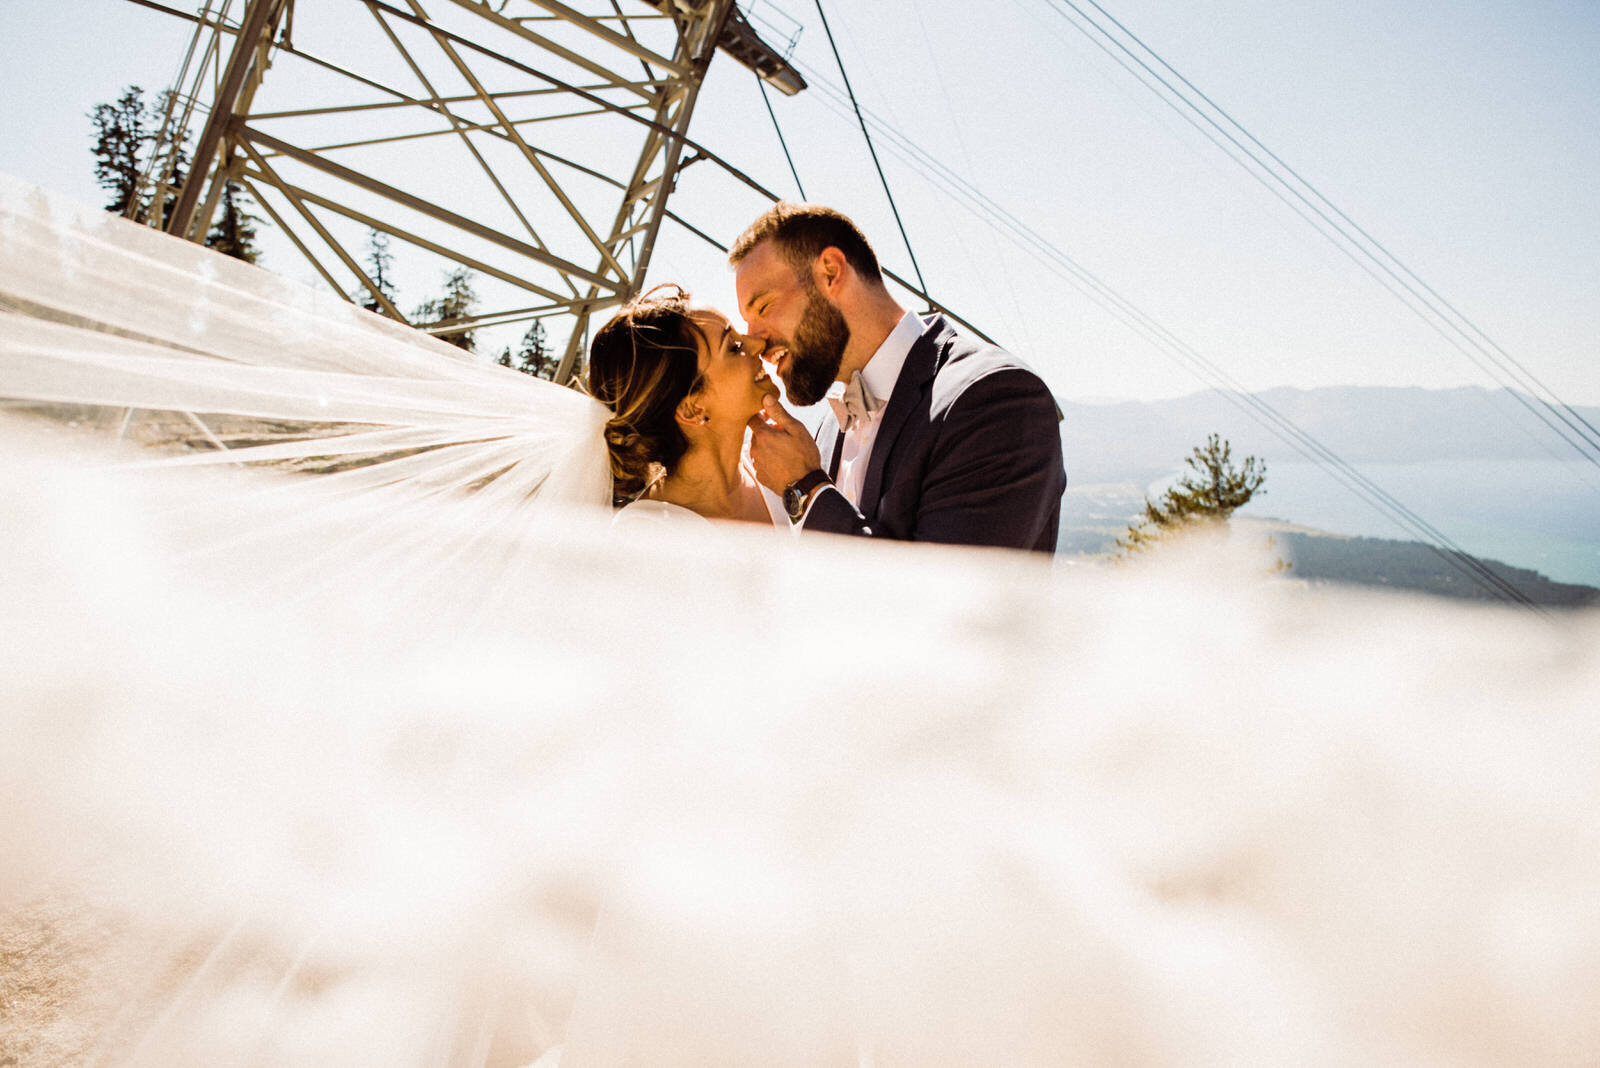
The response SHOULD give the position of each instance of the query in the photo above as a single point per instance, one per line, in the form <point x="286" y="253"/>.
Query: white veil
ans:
<point x="158" y="341"/>
<point x="343" y="769"/>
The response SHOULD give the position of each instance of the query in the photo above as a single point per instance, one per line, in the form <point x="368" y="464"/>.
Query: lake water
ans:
<point x="1538" y="514"/>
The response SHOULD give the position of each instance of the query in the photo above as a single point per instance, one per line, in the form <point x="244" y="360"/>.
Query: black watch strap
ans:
<point x="798" y="492"/>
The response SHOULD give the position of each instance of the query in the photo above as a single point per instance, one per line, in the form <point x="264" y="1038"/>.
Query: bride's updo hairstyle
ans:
<point x="642" y="363"/>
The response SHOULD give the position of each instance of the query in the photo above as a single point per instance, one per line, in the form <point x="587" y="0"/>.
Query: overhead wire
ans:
<point x="867" y="136"/>
<point x="1354" y="241"/>
<point x="1005" y="296"/>
<point x="1593" y="435"/>
<point x="773" y="115"/>
<point x="1232" y="149"/>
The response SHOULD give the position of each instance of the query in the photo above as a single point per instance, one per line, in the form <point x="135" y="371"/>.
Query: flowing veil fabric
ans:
<point x="198" y="449"/>
<point x="212" y="361"/>
<point x="339" y="726"/>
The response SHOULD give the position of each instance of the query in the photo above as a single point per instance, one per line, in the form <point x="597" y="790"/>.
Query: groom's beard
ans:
<point x="816" y="350"/>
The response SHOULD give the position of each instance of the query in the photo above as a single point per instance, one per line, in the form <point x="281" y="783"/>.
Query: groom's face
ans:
<point x="806" y="335"/>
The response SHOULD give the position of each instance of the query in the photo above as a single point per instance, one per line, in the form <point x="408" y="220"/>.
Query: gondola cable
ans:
<point x="767" y="100"/>
<point x="1580" y="434"/>
<point x="867" y="136"/>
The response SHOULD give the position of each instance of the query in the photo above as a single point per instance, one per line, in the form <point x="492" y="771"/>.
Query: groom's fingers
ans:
<point x="778" y="416"/>
<point x="766" y="419"/>
<point x="780" y="446"/>
<point x="765" y="427"/>
<point x="760" y="421"/>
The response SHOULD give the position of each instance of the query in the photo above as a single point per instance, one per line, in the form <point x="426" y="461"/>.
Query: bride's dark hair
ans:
<point x="642" y="363"/>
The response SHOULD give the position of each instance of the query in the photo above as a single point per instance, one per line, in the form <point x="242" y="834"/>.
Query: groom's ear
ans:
<point x="828" y="270"/>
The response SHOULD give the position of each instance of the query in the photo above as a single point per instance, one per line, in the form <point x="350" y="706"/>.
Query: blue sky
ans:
<point x="1466" y="139"/>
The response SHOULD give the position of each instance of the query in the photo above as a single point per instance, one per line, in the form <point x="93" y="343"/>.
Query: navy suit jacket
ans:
<point x="968" y="453"/>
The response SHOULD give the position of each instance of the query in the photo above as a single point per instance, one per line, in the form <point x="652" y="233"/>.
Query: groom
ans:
<point x="936" y="437"/>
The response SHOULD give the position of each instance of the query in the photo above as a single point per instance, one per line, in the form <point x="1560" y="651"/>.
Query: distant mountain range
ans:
<point x="1360" y="424"/>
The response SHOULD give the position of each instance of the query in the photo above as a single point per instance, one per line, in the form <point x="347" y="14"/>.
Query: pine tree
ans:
<point x="1206" y="496"/>
<point x="234" y="232"/>
<point x="122" y="136"/>
<point x="380" y="270"/>
<point x="129" y="135"/>
<point x="453" y="306"/>
<point x="534" y="356"/>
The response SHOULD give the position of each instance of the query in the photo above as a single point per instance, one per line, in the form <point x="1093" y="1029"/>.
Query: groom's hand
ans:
<point x="780" y="446"/>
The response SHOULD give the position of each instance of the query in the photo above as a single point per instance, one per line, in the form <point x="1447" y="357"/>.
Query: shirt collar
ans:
<point x="883" y="369"/>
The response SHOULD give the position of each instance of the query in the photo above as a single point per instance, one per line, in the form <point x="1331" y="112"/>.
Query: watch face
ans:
<point x="796" y="493"/>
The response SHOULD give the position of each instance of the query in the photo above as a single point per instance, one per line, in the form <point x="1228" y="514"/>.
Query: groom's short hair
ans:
<point x="801" y="231"/>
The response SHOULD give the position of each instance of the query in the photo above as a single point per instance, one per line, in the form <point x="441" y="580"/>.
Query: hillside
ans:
<point x="1315" y="556"/>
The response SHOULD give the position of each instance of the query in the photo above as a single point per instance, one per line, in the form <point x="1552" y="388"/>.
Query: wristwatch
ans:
<point x="798" y="492"/>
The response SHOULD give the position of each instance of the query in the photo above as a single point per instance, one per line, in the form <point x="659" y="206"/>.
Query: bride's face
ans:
<point x="733" y="381"/>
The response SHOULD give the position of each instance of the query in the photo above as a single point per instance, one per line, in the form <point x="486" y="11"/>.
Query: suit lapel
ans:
<point x="921" y="362"/>
<point x="829" y="437"/>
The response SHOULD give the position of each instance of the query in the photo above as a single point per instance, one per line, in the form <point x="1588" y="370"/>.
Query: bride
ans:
<point x="681" y="385"/>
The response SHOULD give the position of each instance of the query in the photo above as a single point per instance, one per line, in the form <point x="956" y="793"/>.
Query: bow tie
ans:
<point x="856" y="404"/>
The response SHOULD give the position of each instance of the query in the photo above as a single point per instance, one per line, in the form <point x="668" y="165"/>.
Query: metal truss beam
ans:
<point x="533" y="142"/>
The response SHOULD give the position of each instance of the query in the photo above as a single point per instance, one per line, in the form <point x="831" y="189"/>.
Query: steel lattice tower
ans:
<point x="534" y="142"/>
